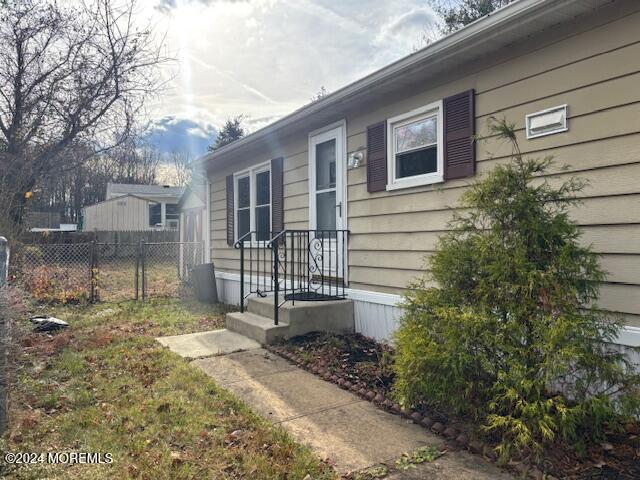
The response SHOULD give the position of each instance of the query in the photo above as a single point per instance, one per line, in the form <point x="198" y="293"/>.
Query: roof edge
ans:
<point x="474" y="33"/>
<point x="120" y="198"/>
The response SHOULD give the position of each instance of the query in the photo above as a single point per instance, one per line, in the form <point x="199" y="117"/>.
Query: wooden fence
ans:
<point x="113" y="237"/>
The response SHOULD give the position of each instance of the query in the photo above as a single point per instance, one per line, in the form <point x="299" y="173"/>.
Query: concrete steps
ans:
<point x="303" y="317"/>
<point x="256" y="327"/>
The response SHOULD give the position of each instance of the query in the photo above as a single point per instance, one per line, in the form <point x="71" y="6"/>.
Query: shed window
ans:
<point x="415" y="147"/>
<point x="155" y="214"/>
<point x="253" y="203"/>
<point x="172" y="212"/>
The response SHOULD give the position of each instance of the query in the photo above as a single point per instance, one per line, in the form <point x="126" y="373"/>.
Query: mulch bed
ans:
<point x="365" y="367"/>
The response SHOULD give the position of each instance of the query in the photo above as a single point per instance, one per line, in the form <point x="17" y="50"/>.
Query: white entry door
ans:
<point x="327" y="202"/>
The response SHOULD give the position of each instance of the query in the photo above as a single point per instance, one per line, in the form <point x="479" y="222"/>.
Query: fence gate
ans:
<point x="107" y="272"/>
<point x="166" y="267"/>
<point x="115" y="272"/>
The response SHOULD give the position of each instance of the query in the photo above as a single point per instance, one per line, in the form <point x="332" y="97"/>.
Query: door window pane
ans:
<point x="244" y="192"/>
<point x="244" y="222"/>
<point x="326" y="165"/>
<point x="417" y="162"/>
<point x="263" y="187"/>
<point x="263" y="222"/>
<point x="326" y="210"/>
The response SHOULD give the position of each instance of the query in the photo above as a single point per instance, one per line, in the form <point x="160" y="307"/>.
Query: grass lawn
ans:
<point x="105" y="385"/>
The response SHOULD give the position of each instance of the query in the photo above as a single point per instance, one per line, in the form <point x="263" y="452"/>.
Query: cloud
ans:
<point x="173" y="134"/>
<point x="253" y="124"/>
<point x="266" y="58"/>
<point x="167" y="5"/>
<point x="409" y="28"/>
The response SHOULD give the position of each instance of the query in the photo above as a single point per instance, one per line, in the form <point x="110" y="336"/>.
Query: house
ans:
<point x="134" y="207"/>
<point x="386" y="157"/>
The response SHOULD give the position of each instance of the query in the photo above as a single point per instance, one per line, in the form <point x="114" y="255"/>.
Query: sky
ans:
<point x="265" y="58"/>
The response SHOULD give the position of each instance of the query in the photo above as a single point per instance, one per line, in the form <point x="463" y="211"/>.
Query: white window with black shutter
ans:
<point x="428" y="145"/>
<point x="415" y="147"/>
<point x="253" y="202"/>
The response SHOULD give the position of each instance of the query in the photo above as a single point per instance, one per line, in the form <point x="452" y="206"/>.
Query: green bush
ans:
<point x="511" y="334"/>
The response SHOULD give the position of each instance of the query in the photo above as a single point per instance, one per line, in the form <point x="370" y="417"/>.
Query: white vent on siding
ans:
<point x="547" y="122"/>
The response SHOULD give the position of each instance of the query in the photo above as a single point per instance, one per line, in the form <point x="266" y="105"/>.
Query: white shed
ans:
<point x="124" y="213"/>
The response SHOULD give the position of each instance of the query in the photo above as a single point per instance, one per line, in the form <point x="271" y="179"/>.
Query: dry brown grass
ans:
<point x="105" y="385"/>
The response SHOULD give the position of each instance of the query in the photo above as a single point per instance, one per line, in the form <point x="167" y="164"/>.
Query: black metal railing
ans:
<point x="256" y="265"/>
<point x="294" y="265"/>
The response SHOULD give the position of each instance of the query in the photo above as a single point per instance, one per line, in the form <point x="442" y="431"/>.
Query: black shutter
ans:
<point x="277" y="195"/>
<point x="377" y="157"/>
<point x="230" y="212"/>
<point x="459" y="136"/>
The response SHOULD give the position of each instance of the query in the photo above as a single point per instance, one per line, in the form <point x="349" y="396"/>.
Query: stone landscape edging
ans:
<point x="455" y="437"/>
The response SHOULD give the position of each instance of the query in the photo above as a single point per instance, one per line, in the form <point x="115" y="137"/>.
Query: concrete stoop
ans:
<point x="304" y="317"/>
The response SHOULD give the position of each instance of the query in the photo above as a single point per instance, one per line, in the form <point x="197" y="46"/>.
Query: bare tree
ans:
<point x="132" y="162"/>
<point x="430" y="33"/>
<point x="323" y="92"/>
<point x="66" y="192"/>
<point x="69" y="74"/>
<point x="180" y="168"/>
<point x="458" y="13"/>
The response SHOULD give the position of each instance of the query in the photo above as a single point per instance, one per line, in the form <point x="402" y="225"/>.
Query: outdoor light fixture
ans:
<point x="354" y="159"/>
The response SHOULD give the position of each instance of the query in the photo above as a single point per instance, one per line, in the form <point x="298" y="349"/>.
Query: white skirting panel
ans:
<point x="632" y="355"/>
<point x="228" y="289"/>
<point x="376" y="320"/>
<point x="377" y="315"/>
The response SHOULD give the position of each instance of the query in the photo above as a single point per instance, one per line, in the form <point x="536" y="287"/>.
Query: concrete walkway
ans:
<point x="348" y="432"/>
<point x="205" y="344"/>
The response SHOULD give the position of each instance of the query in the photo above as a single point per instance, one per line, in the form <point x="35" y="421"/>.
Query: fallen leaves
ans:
<point x="428" y="453"/>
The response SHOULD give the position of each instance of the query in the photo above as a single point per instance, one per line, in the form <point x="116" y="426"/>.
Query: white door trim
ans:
<point x="339" y="130"/>
<point x="342" y="125"/>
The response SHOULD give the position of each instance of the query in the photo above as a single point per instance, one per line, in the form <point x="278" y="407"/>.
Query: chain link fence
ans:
<point x="108" y="272"/>
<point x="115" y="272"/>
<point x="166" y="268"/>
<point x="54" y="272"/>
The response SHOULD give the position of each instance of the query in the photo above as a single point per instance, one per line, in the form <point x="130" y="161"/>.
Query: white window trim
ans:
<point x="251" y="173"/>
<point x="394" y="183"/>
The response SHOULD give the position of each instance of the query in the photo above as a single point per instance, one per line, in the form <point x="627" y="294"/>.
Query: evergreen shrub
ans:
<point x="504" y="325"/>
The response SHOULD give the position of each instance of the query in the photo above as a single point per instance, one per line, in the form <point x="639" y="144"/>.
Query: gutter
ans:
<point x="472" y="34"/>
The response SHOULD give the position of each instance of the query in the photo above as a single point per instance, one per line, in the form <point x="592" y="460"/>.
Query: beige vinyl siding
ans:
<point x="593" y="66"/>
<point x="118" y="214"/>
<point x="597" y="76"/>
<point x="296" y="202"/>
